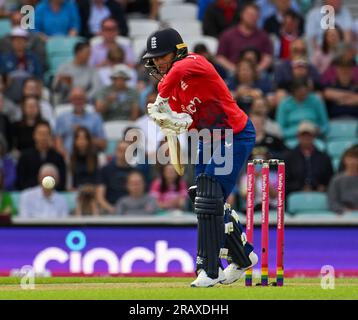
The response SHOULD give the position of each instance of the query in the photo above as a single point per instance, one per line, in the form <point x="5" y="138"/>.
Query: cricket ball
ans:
<point x="48" y="182"/>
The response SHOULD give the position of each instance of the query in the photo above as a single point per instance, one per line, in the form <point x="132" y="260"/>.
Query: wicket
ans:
<point x="250" y="204"/>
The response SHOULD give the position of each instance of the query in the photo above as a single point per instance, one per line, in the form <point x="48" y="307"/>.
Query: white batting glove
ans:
<point x="163" y="116"/>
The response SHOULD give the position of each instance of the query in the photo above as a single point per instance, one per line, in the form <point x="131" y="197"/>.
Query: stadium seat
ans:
<point x="210" y="42"/>
<point x="336" y="148"/>
<point x="321" y="215"/>
<point x="70" y="198"/>
<point x="139" y="47"/>
<point x="335" y="164"/>
<point x="5" y="27"/>
<point x="342" y="129"/>
<point x="55" y="61"/>
<point x="307" y="202"/>
<point x="111" y="146"/>
<point x="184" y="11"/>
<point x="114" y="129"/>
<point x="189" y="28"/>
<point x="142" y="27"/>
<point x="61" y="45"/>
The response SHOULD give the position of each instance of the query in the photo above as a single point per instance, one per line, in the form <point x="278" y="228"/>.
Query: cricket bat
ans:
<point x="174" y="153"/>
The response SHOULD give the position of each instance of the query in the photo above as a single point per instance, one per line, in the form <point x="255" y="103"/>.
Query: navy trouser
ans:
<point x="227" y="157"/>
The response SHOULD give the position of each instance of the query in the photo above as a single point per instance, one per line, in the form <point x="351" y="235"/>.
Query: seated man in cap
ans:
<point x="19" y="64"/>
<point x="307" y="168"/>
<point x="117" y="101"/>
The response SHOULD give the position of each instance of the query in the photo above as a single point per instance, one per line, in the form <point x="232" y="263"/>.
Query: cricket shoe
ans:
<point x="203" y="281"/>
<point x="233" y="272"/>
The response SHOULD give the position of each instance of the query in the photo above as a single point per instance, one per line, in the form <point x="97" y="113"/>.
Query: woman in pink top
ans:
<point x="169" y="189"/>
<point x="322" y="57"/>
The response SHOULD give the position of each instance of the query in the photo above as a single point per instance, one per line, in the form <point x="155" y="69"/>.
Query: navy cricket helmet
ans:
<point x="164" y="41"/>
<point x="160" y="43"/>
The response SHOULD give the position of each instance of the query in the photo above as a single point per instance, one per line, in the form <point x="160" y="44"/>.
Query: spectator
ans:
<point x="57" y="18"/>
<point x="343" y="189"/>
<point x="23" y="129"/>
<point x="41" y="203"/>
<point x="322" y="56"/>
<point x="142" y="8"/>
<point x="268" y="8"/>
<point x="115" y="56"/>
<point x="35" y="44"/>
<point x="261" y="107"/>
<point x="33" y="88"/>
<point x="201" y="48"/>
<point x="77" y="73"/>
<point x="246" y="34"/>
<point x="117" y="101"/>
<point x="20" y="58"/>
<point x="220" y="15"/>
<point x="32" y="159"/>
<point x="113" y="178"/>
<point x="86" y="204"/>
<point x="288" y="32"/>
<point x="7" y="107"/>
<point x="7" y="167"/>
<point x="110" y="38"/>
<point x="301" y="105"/>
<point x="4" y="9"/>
<point x="6" y="128"/>
<point x="169" y="190"/>
<point x="342" y="18"/>
<point x="7" y="207"/>
<point x="84" y="159"/>
<point x="340" y="87"/>
<point x="93" y="12"/>
<point x="251" y="54"/>
<point x="137" y="202"/>
<point x="18" y="64"/>
<point x="67" y="122"/>
<point x="274" y="23"/>
<point x="297" y="66"/>
<point x="307" y="168"/>
<point x="247" y="86"/>
<point x="202" y="6"/>
<point x="274" y="145"/>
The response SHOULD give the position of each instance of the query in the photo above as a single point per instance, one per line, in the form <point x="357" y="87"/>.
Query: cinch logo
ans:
<point x="84" y="262"/>
<point x="191" y="107"/>
<point x="153" y="42"/>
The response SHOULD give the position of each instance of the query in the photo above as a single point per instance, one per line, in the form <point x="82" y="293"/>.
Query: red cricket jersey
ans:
<point x="193" y="86"/>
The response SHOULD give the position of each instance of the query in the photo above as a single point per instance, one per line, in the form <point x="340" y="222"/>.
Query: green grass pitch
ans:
<point x="171" y="288"/>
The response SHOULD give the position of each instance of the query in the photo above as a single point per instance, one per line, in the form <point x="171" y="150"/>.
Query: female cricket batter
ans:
<point x="192" y="95"/>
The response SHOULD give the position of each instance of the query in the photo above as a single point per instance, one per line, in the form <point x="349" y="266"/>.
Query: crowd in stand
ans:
<point x="290" y="76"/>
